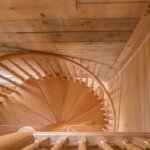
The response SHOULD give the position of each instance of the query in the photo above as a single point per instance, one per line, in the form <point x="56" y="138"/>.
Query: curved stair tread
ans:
<point x="15" y="113"/>
<point x="74" y="93"/>
<point x="32" y="96"/>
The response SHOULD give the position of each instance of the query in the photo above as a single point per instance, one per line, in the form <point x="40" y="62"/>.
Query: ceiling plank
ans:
<point x="68" y="9"/>
<point x="32" y="37"/>
<point x="113" y="1"/>
<point x="112" y="10"/>
<point x="68" y="25"/>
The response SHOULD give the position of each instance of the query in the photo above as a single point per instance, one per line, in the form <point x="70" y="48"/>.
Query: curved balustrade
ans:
<point x="17" y="69"/>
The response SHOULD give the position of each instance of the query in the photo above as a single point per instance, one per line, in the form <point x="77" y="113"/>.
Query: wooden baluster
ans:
<point x="54" y="73"/>
<point x="3" y="94"/>
<point x="92" y="85"/>
<point x="82" y="144"/>
<point x="87" y="75"/>
<point x="67" y="70"/>
<point x="142" y="142"/>
<point x="109" y="127"/>
<point x="59" y="143"/>
<point x="81" y="74"/>
<point x="32" y="68"/>
<point x="108" y="119"/>
<point x="8" y="88"/>
<point x="124" y="144"/>
<point x="9" y="81"/>
<point x="102" y="144"/>
<point x="96" y="90"/>
<point x="17" y="66"/>
<point x="59" y="68"/>
<point x="74" y="73"/>
<point x="41" y="67"/>
<point x="16" y="75"/>
<point x="18" y="140"/>
<point x="40" y="143"/>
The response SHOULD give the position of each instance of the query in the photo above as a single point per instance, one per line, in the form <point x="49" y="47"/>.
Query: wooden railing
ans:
<point x="15" y="69"/>
<point x="105" y="141"/>
<point x="28" y="139"/>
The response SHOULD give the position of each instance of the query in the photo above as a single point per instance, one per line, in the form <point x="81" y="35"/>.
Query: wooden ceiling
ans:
<point x="97" y="30"/>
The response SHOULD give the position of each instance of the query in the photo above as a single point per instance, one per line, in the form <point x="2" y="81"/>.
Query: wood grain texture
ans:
<point x="69" y="9"/>
<point x="133" y="90"/>
<point x="66" y="25"/>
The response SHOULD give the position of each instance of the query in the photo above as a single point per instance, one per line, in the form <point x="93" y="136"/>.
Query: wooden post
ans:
<point x="41" y="143"/>
<point x="102" y="144"/>
<point x="59" y="143"/>
<point x="18" y="140"/>
<point x="82" y="144"/>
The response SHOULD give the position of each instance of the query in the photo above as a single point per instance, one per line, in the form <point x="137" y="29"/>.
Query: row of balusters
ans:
<point x="35" y="69"/>
<point x="137" y="143"/>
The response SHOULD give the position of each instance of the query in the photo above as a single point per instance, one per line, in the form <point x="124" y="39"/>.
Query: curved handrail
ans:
<point x="55" y="56"/>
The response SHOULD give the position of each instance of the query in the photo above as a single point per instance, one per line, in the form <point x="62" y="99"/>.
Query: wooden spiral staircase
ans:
<point x="63" y="102"/>
<point x="52" y="93"/>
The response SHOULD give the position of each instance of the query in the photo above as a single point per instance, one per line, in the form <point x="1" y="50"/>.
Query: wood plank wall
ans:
<point x="131" y="89"/>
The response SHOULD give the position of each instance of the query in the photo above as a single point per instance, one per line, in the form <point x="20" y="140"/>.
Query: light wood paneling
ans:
<point x="65" y="37"/>
<point x="69" y="9"/>
<point x="111" y="10"/>
<point x="66" y="25"/>
<point x="134" y="92"/>
<point x="81" y="38"/>
<point x="113" y="1"/>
